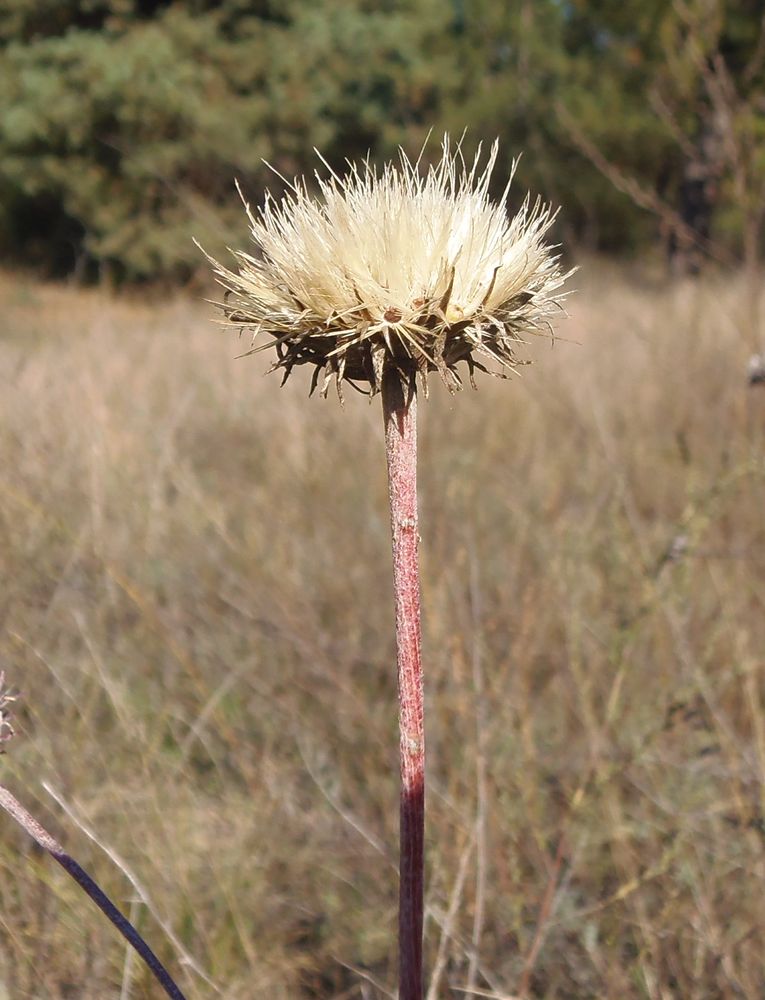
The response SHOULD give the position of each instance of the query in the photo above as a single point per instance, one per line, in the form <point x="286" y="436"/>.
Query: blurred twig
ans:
<point x="642" y="196"/>
<point x="140" y="889"/>
<point x="482" y="732"/>
<point x="48" y="843"/>
<point x="447" y="927"/>
<point x="545" y="911"/>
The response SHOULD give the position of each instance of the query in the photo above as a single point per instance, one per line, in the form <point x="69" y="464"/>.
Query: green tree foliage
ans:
<point x="124" y="123"/>
<point x="117" y="138"/>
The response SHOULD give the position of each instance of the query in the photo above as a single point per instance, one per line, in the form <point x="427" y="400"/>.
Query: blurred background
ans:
<point x="123" y="123"/>
<point x="195" y="564"/>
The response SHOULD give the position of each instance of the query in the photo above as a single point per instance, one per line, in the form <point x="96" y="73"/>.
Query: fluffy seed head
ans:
<point x="408" y="269"/>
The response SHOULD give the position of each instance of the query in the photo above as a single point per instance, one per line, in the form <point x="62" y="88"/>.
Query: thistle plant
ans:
<point x="383" y="279"/>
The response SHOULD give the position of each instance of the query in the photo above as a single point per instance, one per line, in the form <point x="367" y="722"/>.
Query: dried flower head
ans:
<point x="6" y="700"/>
<point x="409" y="269"/>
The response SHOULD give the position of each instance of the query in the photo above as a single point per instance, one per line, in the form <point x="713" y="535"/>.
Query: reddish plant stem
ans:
<point x="400" y="414"/>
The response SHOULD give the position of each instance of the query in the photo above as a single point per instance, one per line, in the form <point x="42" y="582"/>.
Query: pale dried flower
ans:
<point x="408" y="269"/>
<point x="6" y="700"/>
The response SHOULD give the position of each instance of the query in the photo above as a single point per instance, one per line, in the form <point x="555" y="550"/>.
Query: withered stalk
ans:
<point x="400" y="415"/>
<point x="13" y="808"/>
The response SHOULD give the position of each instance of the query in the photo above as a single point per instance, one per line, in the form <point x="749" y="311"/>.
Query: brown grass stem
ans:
<point x="48" y="843"/>
<point x="400" y="415"/>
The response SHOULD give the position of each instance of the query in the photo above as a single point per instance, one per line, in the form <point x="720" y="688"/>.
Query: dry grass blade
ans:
<point x="48" y="843"/>
<point x="143" y="893"/>
<point x="473" y="992"/>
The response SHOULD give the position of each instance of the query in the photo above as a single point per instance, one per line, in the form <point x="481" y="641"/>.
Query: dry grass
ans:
<point x="196" y="604"/>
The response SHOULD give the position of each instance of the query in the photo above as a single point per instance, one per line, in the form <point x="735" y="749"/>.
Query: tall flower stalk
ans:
<point x="400" y="417"/>
<point x="381" y="280"/>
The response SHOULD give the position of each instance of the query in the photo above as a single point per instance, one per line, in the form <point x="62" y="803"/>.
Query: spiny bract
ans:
<point x="410" y="270"/>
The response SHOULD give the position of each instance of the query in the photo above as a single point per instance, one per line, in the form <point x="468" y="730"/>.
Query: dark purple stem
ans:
<point x="14" y="809"/>
<point x="400" y="413"/>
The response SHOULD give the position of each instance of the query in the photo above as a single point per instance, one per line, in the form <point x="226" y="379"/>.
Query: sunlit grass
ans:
<point x="195" y="570"/>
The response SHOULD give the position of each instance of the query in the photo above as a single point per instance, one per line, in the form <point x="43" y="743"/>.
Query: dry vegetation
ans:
<point x="195" y="603"/>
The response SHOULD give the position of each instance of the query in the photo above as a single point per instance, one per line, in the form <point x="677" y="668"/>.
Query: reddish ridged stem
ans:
<point x="400" y="413"/>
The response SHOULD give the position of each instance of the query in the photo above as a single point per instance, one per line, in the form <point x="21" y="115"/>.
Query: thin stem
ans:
<point x="14" y="809"/>
<point x="400" y="414"/>
<point x="482" y="730"/>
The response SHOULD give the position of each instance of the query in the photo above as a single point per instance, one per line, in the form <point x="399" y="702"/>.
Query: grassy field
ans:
<point x="196" y="606"/>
